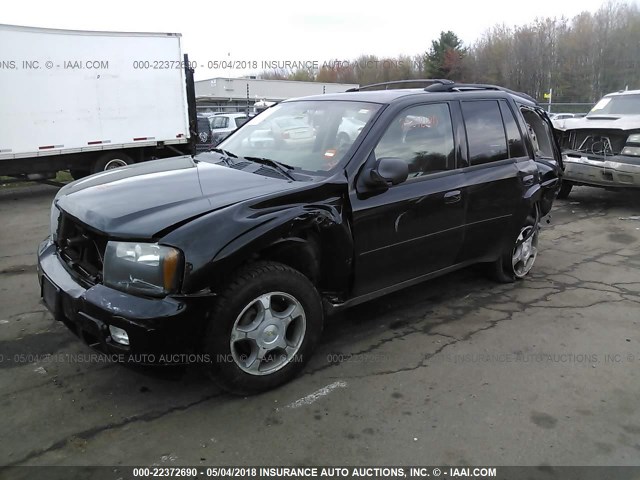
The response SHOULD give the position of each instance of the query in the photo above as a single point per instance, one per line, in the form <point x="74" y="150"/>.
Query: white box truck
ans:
<point x="89" y="101"/>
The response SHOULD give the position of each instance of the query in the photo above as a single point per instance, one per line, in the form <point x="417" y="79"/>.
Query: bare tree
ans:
<point x="581" y="58"/>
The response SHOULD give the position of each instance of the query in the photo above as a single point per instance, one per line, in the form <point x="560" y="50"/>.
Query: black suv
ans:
<point x="235" y="256"/>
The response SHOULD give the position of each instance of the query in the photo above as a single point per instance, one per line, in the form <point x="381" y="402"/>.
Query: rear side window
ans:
<point x="485" y="131"/>
<point x="539" y="132"/>
<point x="240" y="121"/>
<point x="514" y="137"/>
<point x="220" y="122"/>
<point x="422" y="136"/>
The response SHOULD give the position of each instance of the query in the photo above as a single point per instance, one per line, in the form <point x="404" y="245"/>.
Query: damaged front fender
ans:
<point x="314" y="238"/>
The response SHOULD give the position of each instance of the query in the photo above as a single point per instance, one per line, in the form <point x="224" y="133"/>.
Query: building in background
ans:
<point x="240" y="94"/>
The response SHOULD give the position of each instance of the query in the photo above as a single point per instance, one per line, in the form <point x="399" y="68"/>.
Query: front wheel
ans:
<point x="518" y="259"/>
<point x="263" y="328"/>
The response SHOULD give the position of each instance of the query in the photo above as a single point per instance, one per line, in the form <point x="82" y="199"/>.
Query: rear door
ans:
<point x="498" y="172"/>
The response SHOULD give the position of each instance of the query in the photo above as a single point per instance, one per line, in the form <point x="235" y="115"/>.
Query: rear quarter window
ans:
<point x="539" y="133"/>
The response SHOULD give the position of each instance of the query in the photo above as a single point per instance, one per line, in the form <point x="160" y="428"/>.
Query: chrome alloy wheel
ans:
<point x="115" y="163"/>
<point x="268" y="333"/>
<point x="525" y="250"/>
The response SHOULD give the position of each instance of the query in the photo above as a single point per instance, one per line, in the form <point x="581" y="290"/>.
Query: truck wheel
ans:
<point x="565" y="189"/>
<point x="263" y="328"/>
<point x="517" y="260"/>
<point x="111" y="160"/>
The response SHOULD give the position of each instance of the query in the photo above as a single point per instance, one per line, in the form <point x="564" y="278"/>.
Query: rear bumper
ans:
<point x="616" y="171"/>
<point x="158" y="329"/>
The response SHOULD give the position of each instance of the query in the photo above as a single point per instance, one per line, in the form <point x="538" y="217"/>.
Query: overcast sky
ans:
<point x="290" y="30"/>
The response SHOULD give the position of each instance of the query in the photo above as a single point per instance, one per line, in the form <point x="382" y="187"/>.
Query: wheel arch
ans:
<point x="317" y="243"/>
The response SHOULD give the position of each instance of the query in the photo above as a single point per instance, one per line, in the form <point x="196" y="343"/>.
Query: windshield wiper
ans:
<point x="226" y="158"/>
<point x="224" y="152"/>
<point x="279" y="166"/>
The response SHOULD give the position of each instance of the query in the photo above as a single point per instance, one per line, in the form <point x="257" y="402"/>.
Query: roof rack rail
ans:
<point x="462" y="87"/>
<point x="431" y="81"/>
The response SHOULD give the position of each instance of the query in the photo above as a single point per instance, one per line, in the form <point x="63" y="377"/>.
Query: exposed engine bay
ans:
<point x="594" y="142"/>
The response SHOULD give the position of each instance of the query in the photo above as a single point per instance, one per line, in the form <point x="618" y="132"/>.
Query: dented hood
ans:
<point x="141" y="200"/>
<point x="597" y="122"/>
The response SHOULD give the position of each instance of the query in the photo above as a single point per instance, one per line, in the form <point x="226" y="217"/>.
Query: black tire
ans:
<point x="565" y="189"/>
<point x="259" y="280"/>
<point x="503" y="269"/>
<point x="78" y="174"/>
<point x="111" y="160"/>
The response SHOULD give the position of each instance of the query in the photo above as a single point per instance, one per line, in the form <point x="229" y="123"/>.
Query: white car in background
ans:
<point x="562" y="116"/>
<point x="222" y="124"/>
<point x="284" y="132"/>
<point x="349" y="129"/>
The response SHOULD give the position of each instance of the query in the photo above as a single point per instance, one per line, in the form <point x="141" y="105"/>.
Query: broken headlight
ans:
<point x="54" y="217"/>
<point x="633" y="150"/>
<point x="142" y="268"/>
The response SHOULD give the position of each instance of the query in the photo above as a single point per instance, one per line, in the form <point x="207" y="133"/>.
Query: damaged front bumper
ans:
<point x="157" y="328"/>
<point x="616" y="171"/>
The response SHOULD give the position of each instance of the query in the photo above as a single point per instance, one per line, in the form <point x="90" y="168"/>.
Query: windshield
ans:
<point x="312" y="136"/>
<point x="617" y="105"/>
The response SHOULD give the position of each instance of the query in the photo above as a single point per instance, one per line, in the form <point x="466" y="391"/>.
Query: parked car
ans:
<point x="288" y="132"/>
<point x="238" y="254"/>
<point x="602" y="149"/>
<point x="561" y="116"/>
<point x="223" y="124"/>
<point x="349" y="129"/>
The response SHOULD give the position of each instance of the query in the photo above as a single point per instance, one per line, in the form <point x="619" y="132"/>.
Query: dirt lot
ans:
<point x="455" y="371"/>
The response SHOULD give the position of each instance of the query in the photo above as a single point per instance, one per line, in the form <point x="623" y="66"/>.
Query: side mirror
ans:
<point x="386" y="172"/>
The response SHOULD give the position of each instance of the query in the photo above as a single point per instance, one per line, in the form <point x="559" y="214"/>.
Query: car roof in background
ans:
<point x="623" y="92"/>
<point x="231" y="114"/>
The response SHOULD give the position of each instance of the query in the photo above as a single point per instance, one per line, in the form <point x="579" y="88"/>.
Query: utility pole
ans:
<point x="549" y="96"/>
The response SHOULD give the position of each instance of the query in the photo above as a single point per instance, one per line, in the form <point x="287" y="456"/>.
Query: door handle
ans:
<point x="453" y="196"/>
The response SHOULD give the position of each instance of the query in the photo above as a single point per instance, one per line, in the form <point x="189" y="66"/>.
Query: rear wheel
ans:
<point x="111" y="160"/>
<point x="518" y="258"/>
<point x="565" y="189"/>
<point x="263" y="328"/>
